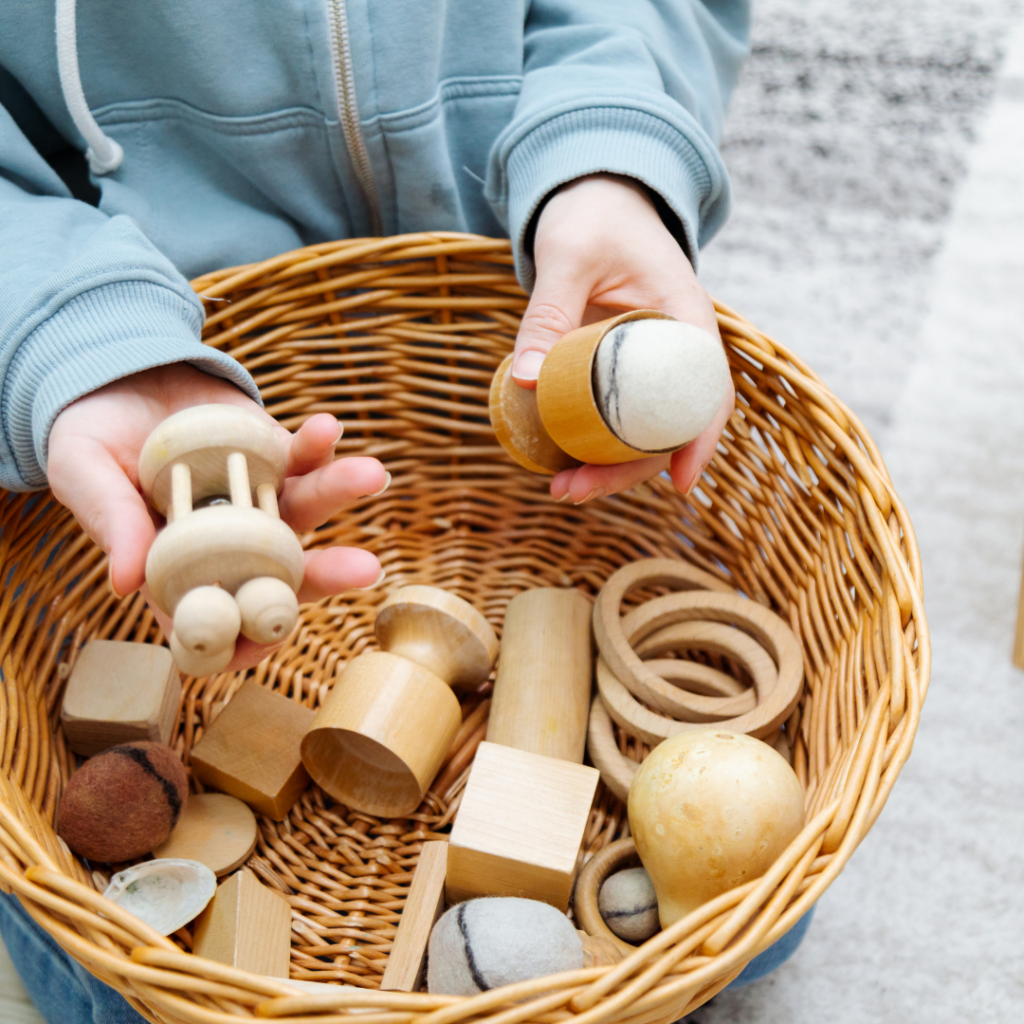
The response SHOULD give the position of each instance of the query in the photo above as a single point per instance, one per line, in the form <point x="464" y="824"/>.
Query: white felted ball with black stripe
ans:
<point x="659" y="383"/>
<point x="629" y="905"/>
<point x="486" y="943"/>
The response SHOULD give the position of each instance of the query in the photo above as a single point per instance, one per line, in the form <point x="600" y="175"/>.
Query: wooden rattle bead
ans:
<point x="206" y="621"/>
<point x="200" y="665"/>
<point x="269" y="609"/>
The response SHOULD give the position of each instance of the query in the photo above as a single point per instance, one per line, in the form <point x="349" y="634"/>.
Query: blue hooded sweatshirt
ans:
<point x="221" y="132"/>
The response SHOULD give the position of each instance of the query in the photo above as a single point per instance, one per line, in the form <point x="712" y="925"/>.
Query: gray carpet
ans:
<point x="897" y="270"/>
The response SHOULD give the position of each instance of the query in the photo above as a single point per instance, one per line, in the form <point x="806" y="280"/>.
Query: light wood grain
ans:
<point x="221" y="545"/>
<point x="542" y="691"/>
<point x="519" y="827"/>
<point x="518" y="427"/>
<point x="247" y="926"/>
<point x="440" y="631"/>
<point x="203" y="437"/>
<point x="616" y="769"/>
<point x="119" y="692"/>
<point x="215" y="829"/>
<point x="423" y="906"/>
<point x="565" y="395"/>
<point x="380" y="737"/>
<point x="252" y="750"/>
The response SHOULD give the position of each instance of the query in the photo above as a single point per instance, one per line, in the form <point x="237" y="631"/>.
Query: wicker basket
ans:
<point x="399" y="338"/>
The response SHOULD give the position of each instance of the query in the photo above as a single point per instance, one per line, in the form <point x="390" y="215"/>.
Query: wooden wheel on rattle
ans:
<point x="224" y="564"/>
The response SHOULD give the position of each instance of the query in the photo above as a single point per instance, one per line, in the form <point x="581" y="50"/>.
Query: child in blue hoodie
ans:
<point x="143" y="144"/>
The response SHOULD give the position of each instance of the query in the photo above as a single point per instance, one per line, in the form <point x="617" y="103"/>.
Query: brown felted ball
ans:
<point x="124" y="802"/>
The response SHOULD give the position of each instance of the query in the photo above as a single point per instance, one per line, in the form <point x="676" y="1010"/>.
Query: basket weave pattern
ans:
<point x="399" y="338"/>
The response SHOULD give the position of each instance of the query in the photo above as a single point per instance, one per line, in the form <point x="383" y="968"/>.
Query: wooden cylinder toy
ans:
<point x="610" y="392"/>
<point x="380" y="737"/>
<point x="541" y="695"/>
<point x="201" y="468"/>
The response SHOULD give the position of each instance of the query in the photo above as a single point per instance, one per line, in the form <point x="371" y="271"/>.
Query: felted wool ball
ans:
<point x="124" y="802"/>
<point x="486" y="943"/>
<point x="629" y="905"/>
<point x="659" y="383"/>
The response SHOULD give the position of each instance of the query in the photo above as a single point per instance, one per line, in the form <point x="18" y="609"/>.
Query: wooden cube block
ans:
<point x="252" y="750"/>
<point x="423" y="906"/>
<point x="119" y="692"/>
<point x="246" y="925"/>
<point x="519" y="827"/>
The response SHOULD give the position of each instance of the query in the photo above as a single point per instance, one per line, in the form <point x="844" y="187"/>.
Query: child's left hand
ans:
<point x="602" y="248"/>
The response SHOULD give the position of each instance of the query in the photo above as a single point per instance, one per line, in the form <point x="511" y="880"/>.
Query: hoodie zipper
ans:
<point x="348" y="109"/>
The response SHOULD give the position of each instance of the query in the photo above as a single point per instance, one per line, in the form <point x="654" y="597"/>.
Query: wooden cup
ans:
<point x="380" y="738"/>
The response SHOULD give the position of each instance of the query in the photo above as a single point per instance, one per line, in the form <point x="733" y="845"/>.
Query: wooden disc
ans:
<point x="203" y="437"/>
<point x="440" y="631"/>
<point x="223" y="546"/>
<point x="612" y="858"/>
<point x="215" y="829"/>
<point x="518" y="427"/>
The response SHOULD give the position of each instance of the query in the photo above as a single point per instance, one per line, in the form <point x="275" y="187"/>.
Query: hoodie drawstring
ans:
<point x="104" y="154"/>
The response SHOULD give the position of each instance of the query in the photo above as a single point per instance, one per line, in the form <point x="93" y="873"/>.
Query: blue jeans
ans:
<point x="66" y="993"/>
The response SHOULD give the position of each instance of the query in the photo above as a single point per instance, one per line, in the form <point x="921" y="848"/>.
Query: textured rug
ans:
<point x="919" y="325"/>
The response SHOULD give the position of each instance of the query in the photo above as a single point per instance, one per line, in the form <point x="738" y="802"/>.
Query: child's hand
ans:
<point x="93" y="469"/>
<point x="601" y="248"/>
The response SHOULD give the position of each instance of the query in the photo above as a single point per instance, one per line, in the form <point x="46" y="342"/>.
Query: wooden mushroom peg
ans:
<point x="224" y="564"/>
<point x="380" y="738"/>
<point x="636" y="385"/>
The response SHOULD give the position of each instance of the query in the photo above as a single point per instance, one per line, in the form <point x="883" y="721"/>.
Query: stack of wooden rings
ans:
<point x="653" y="697"/>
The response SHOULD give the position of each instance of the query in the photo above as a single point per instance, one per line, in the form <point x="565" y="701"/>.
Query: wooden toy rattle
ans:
<point x="380" y="738"/>
<point x="223" y="564"/>
<point x="637" y="385"/>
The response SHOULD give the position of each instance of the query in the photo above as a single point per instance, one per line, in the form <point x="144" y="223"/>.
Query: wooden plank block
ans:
<point x="119" y="692"/>
<point x="423" y="906"/>
<point x="519" y="827"/>
<point x="252" y="750"/>
<point x="247" y="926"/>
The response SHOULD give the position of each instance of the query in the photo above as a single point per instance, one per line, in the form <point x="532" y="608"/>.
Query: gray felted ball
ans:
<point x="486" y="943"/>
<point x="659" y="383"/>
<point x="629" y="905"/>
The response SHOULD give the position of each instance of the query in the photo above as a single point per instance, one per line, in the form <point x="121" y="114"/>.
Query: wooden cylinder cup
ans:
<point x="380" y="738"/>
<point x="542" y="691"/>
<point x="565" y="395"/>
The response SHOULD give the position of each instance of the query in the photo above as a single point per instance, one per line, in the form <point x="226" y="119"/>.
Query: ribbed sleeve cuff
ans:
<point x="614" y="140"/>
<point x="99" y="336"/>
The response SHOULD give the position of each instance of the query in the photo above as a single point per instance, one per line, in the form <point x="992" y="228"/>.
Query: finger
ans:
<point x="688" y="464"/>
<point x="590" y="482"/>
<point x="332" y="571"/>
<point x="111" y="511"/>
<point x="312" y="445"/>
<point x="310" y="500"/>
<point x="555" y="308"/>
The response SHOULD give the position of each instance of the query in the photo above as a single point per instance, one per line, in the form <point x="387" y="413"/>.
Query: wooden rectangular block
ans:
<point x="119" y="692"/>
<point x="519" y="827"/>
<point x="423" y="906"/>
<point x="252" y="750"/>
<point x="246" y="925"/>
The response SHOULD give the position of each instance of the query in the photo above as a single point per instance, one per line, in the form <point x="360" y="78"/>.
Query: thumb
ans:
<point x="555" y="308"/>
<point x="110" y="510"/>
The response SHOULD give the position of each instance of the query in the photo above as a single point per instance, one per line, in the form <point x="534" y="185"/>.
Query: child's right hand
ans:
<point x="93" y="469"/>
<point x="601" y="248"/>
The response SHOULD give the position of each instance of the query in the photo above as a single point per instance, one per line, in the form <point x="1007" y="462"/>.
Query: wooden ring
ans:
<point x="677" y="703"/>
<point x="686" y="636"/>
<point x="586" y="897"/>
<point x="765" y="626"/>
<point x="616" y="769"/>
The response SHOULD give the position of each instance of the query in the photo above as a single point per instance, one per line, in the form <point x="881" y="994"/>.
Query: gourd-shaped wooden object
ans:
<point x="225" y="563"/>
<point x="380" y="737"/>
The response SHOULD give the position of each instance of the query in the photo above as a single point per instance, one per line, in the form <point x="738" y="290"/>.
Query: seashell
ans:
<point x="165" y="893"/>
